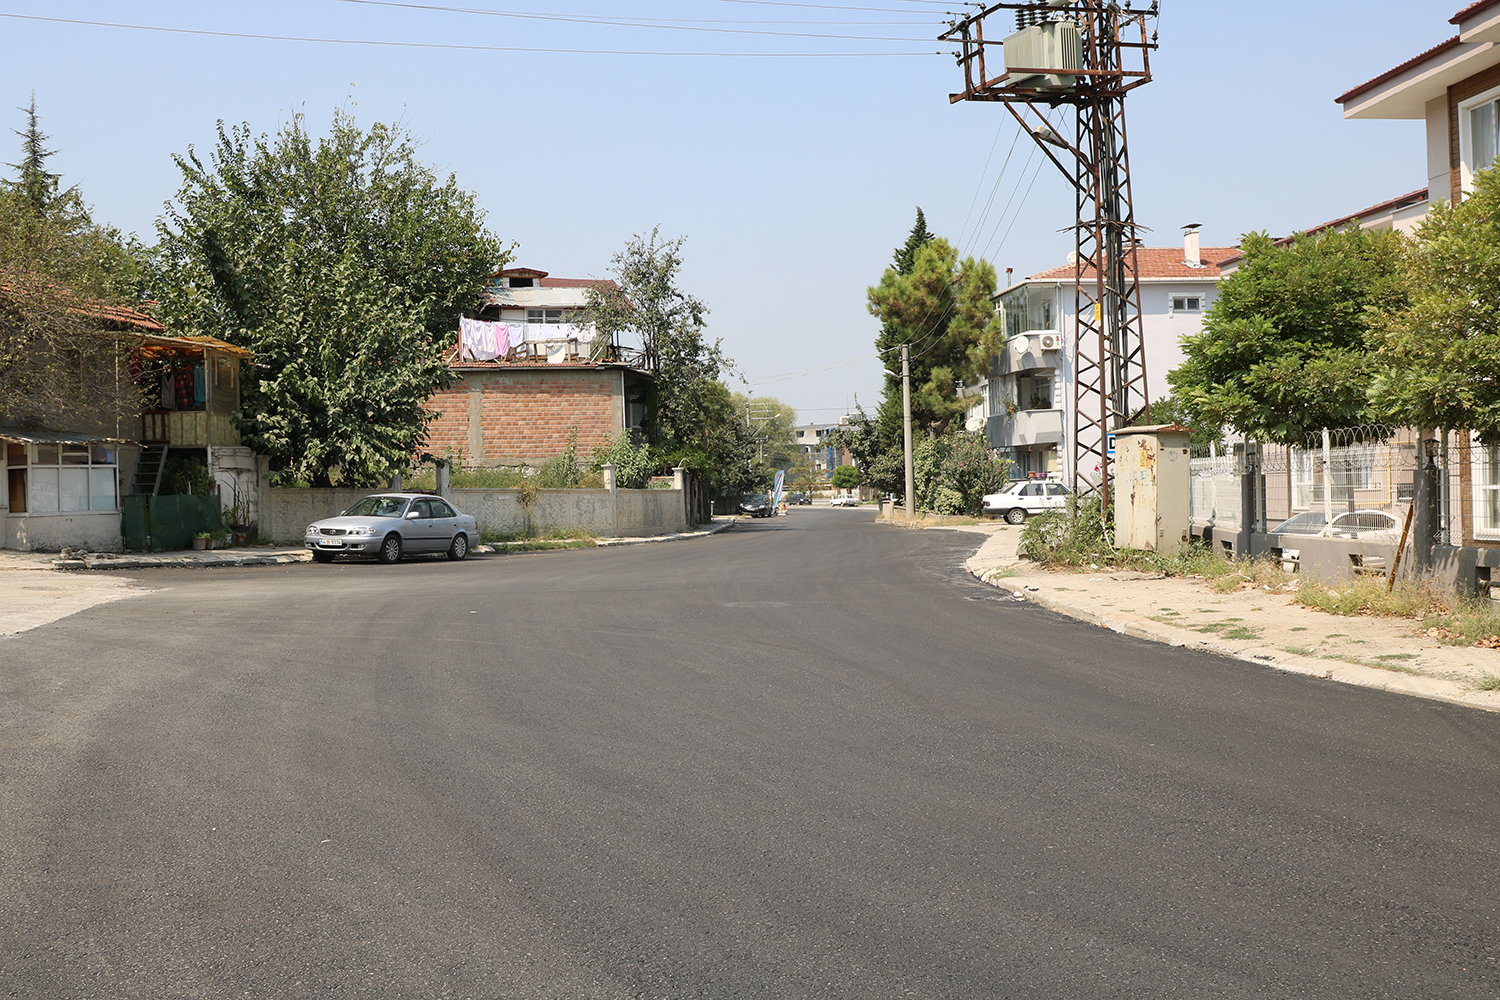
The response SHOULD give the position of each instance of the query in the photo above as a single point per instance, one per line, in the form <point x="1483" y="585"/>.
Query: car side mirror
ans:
<point x="412" y="515"/>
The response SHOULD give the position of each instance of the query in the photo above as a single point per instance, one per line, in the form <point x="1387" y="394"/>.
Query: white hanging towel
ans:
<point x="517" y="335"/>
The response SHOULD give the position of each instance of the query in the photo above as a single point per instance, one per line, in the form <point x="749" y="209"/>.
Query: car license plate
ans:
<point x="329" y="545"/>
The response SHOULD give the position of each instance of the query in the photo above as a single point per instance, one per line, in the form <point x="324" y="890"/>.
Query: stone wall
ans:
<point x="287" y="512"/>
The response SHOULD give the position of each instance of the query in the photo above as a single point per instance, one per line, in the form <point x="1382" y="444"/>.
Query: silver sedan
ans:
<point x="389" y="525"/>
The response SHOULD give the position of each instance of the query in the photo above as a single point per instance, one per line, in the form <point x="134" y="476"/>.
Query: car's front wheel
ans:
<point x="1015" y="516"/>
<point x="460" y="547"/>
<point x="390" y="549"/>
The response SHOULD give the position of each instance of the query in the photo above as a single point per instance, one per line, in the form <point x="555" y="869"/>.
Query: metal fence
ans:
<point x="1369" y="468"/>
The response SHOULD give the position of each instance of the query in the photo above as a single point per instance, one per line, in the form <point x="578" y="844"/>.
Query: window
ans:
<point x="1482" y="144"/>
<point x="62" y="478"/>
<point x="1187" y="303"/>
<point x="522" y="282"/>
<point x="544" y="315"/>
<point x="1486" y="469"/>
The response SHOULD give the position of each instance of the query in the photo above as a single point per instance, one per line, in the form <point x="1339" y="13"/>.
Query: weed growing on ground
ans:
<point x="557" y="538"/>
<point x="1447" y="617"/>
<point x="1487" y="682"/>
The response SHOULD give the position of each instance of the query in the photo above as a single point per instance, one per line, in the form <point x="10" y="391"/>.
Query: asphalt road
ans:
<point x="804" y="758"/>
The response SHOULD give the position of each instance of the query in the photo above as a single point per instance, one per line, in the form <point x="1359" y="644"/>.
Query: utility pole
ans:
<point x="1081" y="54"/>
<point x="906" y="427"/>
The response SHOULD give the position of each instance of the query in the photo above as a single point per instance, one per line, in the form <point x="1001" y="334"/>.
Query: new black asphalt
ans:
<point x="806" y="758"/>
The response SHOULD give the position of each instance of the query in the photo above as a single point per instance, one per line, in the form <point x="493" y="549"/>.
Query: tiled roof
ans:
<point x="1471" y="10"/>
<point x="584" y="282"/>
<point x="1391" y="74"/>
<point x="1158" y="262"/>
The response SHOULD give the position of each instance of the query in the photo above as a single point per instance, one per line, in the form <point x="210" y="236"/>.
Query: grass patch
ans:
<point x="1487" y="682"/>
<point x="1299" y="628"/>
<point x="1297" y="650"/>
<point x="1397" y="656"/>
<point x="1450" y="618"/>
<point x="1240" y="632"/>
<point x="1004" y="574"/>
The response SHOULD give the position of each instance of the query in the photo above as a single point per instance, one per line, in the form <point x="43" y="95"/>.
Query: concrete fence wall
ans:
<point x="287" y="512"/>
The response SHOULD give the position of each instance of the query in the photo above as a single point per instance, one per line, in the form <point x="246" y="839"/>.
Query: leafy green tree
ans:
<point x="1170" y="410"/>
<point x="846" y="477"/>
<point x="1438" y="354"/>
<point x="343" y="263"/>
<point x="769" y="423"/>
<point x="633" y="460"/>
<point x="954" y="472"/>
<point x="943" y="309"/>
<point x="694" y="420"/>
<point x="1285" y="349"/>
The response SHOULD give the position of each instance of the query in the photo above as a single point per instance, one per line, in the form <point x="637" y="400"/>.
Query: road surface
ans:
<point x="807" y="758"/>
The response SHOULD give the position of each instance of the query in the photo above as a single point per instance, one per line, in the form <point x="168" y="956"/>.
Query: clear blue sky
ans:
<point x="792" y="176"/>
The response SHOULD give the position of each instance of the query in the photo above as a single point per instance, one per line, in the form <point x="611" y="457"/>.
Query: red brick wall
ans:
<point x="451" y="429"/>
<point x="525" y="416"/>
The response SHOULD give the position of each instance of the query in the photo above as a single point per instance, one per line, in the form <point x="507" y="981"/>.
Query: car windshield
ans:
<point x="757" y="498"/>
<point x="1309" y="522"/>
<point x="377" y="507"/>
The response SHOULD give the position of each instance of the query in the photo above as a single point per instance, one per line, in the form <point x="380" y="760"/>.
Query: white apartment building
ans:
<point x="1025" y="408"/>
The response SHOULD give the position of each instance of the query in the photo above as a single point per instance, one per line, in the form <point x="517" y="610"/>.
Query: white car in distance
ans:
<point x="1025" y="497"/>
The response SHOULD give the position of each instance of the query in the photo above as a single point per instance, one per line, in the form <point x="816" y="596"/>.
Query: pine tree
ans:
<point x="905" y="257"/>
<point x="36" y="186"/>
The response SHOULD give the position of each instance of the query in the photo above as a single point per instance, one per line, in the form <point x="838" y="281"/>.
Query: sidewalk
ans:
<point x="1259" y="626"/>
<point x="259" y="555"/>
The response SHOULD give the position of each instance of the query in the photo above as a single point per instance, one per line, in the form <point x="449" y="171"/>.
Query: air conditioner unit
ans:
<point x="1052" y="45"/>
<point x="1050" y="342"/>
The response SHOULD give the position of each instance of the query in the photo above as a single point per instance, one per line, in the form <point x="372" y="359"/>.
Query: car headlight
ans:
<point x="361" y="531"/>
<point x="312" y="529"/>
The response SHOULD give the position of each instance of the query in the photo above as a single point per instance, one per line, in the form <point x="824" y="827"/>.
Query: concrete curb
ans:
<point x="681" y="536"/>
<point x="1418" y="685"/>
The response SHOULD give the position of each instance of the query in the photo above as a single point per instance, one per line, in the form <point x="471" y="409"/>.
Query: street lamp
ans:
<point x="905" y="377"/>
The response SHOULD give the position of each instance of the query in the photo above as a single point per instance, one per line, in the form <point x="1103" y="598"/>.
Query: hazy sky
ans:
<point x="793" y="175"/>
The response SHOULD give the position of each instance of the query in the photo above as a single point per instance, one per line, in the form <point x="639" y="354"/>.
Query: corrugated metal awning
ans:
<point x="153" y="344"/>
<point x="53" y="437"/>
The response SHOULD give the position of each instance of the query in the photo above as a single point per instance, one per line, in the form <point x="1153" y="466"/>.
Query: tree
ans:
<point x="943" y="309"/>
<point x="694" y="420"/>
<point x="1285" y="349"/>
<point x="343" y="263"/>
<point x="769" y="423"/>
<point x="905" y="257"/>
<point x="57" y="268"/>
<point x="846" y="477"/>
<point x="954" y="472"/>
<point x="1169" y="410"/>
<point x="1438" y="353"/>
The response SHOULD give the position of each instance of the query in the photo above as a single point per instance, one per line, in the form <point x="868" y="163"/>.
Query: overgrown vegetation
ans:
<point x="1082" y="537"/>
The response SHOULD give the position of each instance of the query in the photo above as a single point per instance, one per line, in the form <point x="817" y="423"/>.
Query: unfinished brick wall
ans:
<point x="449" y="433"/>
<point x="523" y="417"/>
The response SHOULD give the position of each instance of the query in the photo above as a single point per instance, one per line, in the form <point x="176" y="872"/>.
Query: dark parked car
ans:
<point x="389" y="525"/>
<point x="757" y="505"/>
<point x="798" y="500"/>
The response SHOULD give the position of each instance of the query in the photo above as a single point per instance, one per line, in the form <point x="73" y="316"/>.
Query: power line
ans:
<point x="630" y="22"/>
<point x="460" y="47"/>
<point x="648" y="22"/>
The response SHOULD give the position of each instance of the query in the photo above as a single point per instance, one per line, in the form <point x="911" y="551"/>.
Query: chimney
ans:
<point x="1008" y="272"/>
<point x="1190" y="255"/>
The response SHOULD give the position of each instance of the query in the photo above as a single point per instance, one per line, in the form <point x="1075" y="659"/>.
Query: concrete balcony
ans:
<point x="1025" y="428"/>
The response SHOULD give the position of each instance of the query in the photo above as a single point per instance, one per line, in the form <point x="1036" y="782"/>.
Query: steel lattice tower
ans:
<point x="1089" y="62"/>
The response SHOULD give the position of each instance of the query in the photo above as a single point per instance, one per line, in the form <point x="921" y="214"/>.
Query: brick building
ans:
<point x="515" y="403"/>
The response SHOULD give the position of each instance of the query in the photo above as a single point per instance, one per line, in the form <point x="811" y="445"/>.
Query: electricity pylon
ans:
<point x="1081" y="54"/>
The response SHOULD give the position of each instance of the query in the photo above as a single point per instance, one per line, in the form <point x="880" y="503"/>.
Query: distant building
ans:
<point x="528" y="374"/>
<point x="812" y="440"/>
<point x="1026" y="407"/>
